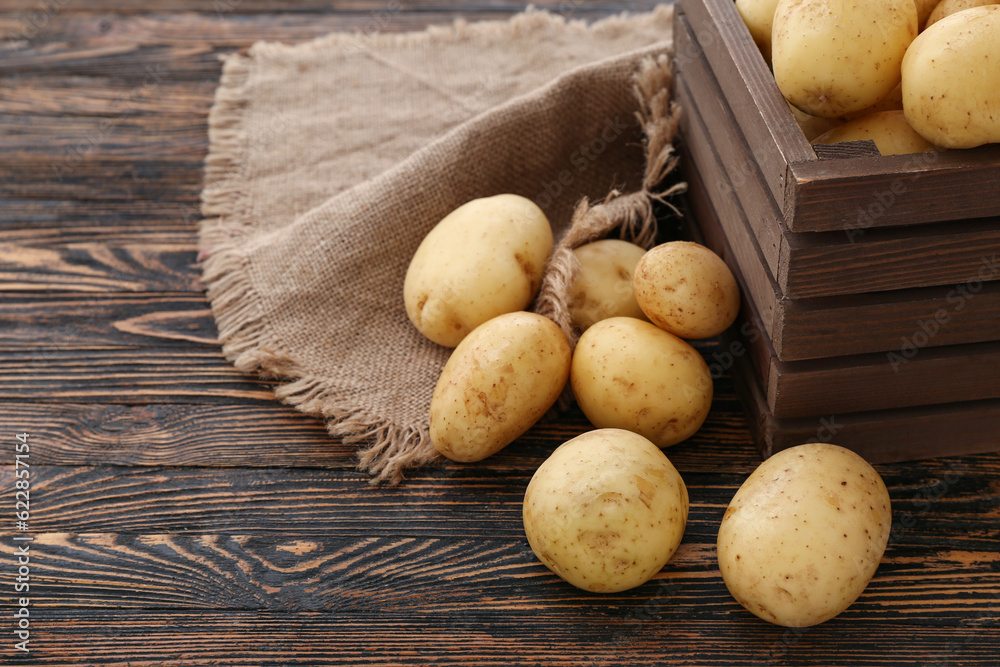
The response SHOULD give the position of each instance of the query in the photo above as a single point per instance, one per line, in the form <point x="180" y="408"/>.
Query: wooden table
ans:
<point x="180" y="516"/>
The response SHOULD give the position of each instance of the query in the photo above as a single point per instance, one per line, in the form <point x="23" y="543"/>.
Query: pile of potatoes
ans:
<point x="607" y="509"/>
<point x="911" y="75"/>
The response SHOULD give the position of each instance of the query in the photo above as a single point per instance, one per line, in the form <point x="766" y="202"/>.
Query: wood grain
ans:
<point x="902" y="434"/>
<point x="278" y="573"/>
<point x="183" y="517"/>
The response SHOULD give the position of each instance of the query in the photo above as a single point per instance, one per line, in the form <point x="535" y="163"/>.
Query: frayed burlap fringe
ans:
<point x="385" y="449"/>
<point x="632" y="213"/>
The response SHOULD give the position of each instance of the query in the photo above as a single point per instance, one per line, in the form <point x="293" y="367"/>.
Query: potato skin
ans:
<point x="951" y="82"/>
<point x="686" y="289"/>
<point x="483" y="259"/>
<point x="497" y="383"/>
<point x="603" y="285"/>
<point x="632" y="375"/>
<point x="831" y="58"/>
<point x="605" y="511"/>
<point x="949" y="7"/>
<point x="758" y="15"/>
<point x="804" y="534"/>
<point x="889" y="130"/>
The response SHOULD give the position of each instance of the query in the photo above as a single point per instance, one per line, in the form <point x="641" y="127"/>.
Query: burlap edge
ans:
<point x="388" y="449"/>
<point x="236" y="306"/>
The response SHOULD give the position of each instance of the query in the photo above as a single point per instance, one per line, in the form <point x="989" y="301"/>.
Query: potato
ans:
<point x="831" y="58"/>
<point x="630" y="374"/>
<point x="951" y="81"/>
<point x="603" y="285"/>
<point x="949" y="7"/>
<point x="888" y="129"/>
<point x="482" y="260"/>
<point x="758" y="16"/>
<point x="686" y="289"/>
<point x="893" y="101"/>
<point x="497" y="383"/>
<point x="605" y="511"/>
<point x="804" y="534"/>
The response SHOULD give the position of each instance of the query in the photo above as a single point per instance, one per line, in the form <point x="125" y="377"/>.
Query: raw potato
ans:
<point x="951" y="80"/>
<point x="888" y="129"/>
<point x="831" y="57"/>
<point x="633" y="375"/>
<point x="482" y="260"/>
<point x="686" y="289"/>
<point x="605" y="511"/>
<point x="893" y="101"/>
<point x="804" y="534"/>
<point x="758" y="16"/>
<point x="497" y="383"/>
<point x="603" y="285"/>
<point x="949" y="7"/>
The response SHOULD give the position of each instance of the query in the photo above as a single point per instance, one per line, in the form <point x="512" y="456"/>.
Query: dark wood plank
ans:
<point x="158" y="321"/>
<point x="91" y="176"/>
<point x="476" y="498"/>
<point x="599" y="637"/>
<point x="317" y="573"/>
<point x="477" y="501"/>
<point x="233" y="434"/>
<point x="147" y="262"/>
<point x="857" y="261"/>
<point x="269" y="435"/>
<point x="903" y="434"/>
<point x="23" y="220"/>
<point x="321" y="573"/>
<point x="841" y="195"/>
<point x="883" y="381"/>
<point x="908" y="377"/>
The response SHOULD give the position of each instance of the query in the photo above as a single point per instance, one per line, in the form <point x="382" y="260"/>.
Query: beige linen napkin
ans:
<point x="330" y="160"/>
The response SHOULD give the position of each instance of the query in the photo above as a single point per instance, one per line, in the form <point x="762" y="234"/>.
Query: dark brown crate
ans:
<point x="881" y="436"/>
<point x="911" y="375"/>
<point x="826" y="195"/>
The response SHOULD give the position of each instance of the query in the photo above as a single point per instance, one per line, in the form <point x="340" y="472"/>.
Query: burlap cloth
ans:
<point x="330" y="160"/>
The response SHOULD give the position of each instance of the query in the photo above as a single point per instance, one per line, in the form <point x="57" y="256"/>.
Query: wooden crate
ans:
<point x="871" y="284"/>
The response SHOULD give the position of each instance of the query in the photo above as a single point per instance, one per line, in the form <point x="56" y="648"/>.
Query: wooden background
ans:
<point x="182" y="517"/>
